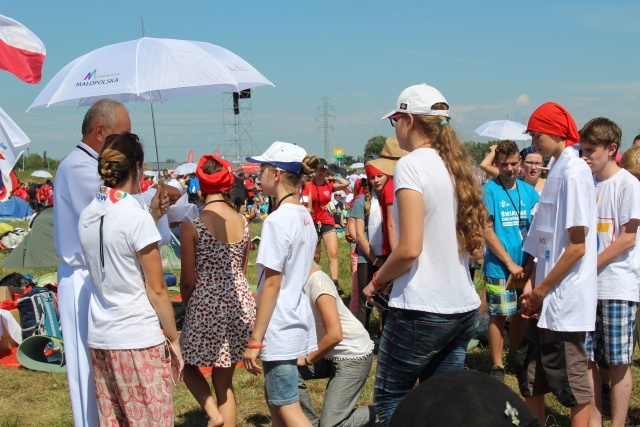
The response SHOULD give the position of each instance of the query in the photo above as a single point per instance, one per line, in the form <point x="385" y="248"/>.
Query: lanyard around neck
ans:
<point x="510" y="199"/>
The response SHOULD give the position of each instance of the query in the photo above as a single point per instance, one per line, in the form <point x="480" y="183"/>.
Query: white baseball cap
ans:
<point x="283" y="155"/>
<point x="419" y="99"/>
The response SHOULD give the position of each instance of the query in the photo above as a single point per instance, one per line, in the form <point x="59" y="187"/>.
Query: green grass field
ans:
<point x="30" y="398"/>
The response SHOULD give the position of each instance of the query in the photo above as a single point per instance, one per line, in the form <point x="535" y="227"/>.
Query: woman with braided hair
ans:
<point x="439" y="215"/>
<point x="130" y="306"/>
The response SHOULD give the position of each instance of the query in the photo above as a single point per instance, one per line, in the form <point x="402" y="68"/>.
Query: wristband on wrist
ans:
<point x="253" y="346"/>
<point x="375" y="283"/>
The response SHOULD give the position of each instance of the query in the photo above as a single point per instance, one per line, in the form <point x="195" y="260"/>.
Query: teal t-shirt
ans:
<point x="509" y="222"/>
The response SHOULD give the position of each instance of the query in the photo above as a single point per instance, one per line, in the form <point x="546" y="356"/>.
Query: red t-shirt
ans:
<point x="387" y="197"/>
<point x="22" y="193"/>
<point x="144" y="185"/>
<point x="304" y="195"/>
<point x="321" y="196"/>
<point x="250" y="186"/>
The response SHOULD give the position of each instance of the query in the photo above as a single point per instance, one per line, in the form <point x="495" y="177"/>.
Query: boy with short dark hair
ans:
<point x="618" y="216"/>
<point x="562" y="304"/>
<point x="509" y="202"/>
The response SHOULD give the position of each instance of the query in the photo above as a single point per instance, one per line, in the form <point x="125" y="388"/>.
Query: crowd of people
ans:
<point x="37" y="195"/>
<point x="558" y="243"/>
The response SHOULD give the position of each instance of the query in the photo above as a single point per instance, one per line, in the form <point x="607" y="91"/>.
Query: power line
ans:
<point x="325" y="108"/>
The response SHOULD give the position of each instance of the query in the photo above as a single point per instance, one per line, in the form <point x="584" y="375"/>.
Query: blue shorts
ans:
<point x="281" y="382"/>
<point x="612" y="340"/>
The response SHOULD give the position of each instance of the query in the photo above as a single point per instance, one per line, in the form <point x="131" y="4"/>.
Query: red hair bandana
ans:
<point x="216" y="182"/>
<point x="553" y="119"/>
<point x="371" y="171"/>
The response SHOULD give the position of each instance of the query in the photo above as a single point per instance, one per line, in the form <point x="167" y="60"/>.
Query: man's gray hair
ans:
<point x="103" y="111"/>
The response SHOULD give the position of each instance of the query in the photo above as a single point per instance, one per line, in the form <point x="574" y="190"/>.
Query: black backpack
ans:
<point x="16" y="280"/>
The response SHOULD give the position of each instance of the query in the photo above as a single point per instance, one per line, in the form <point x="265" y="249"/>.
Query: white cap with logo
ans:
<point x="283" y="155"/>
<point x="419" y="99"/>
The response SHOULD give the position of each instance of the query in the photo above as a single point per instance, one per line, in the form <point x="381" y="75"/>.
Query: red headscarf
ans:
<point x="370" y="170"/>
<point x="216" y="182"/>
<point x="553" y="119"/>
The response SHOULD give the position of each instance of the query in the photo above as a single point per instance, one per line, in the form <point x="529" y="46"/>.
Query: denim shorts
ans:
<point x="281" y="382"/>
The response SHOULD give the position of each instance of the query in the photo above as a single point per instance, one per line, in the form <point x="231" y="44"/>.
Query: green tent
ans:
<point x="170" y="254"/>
<point x="36" y="250"/>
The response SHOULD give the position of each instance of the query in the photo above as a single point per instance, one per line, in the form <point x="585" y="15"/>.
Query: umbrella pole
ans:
<point x="155" y="138"/>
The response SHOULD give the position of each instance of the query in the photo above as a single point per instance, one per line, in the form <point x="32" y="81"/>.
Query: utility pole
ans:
<point x="325" y="108"/>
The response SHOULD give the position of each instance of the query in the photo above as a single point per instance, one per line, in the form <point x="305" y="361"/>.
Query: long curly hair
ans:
<point x="471" y="212"/>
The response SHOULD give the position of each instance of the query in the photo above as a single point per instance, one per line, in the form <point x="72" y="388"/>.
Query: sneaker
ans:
<point x="497" y="372"/>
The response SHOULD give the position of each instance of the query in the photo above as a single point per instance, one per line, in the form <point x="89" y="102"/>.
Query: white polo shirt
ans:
<point x="567" y="200"/>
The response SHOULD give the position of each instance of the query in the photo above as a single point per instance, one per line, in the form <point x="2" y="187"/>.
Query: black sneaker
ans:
<point x="497" y="372"/>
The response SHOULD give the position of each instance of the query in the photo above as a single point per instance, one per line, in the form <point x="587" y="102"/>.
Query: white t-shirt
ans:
<point x="287" y="244"/>
<point x="617" y="203"/>
<point x="120" y="314"/>
<point x="567" y="200"/>
<point x="355" y="342"/>
<point x="439" y="280"/>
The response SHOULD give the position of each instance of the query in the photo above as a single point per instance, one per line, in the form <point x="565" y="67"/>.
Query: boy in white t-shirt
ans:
<point x="618" y="215"/>
<point x="562" y="304"/>
<point x="285" y="329"/>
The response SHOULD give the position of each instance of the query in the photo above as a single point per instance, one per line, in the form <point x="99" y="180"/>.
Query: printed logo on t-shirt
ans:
<point x="112" y="194"/>
<point x="606" y="232"/>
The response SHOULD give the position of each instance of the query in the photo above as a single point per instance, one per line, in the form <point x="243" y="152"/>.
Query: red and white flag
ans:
<point x="21" y="52"/>
<point x="13" y="142"/>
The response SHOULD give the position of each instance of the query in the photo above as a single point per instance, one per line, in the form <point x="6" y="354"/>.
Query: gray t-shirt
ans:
<point x="357" y="212"/>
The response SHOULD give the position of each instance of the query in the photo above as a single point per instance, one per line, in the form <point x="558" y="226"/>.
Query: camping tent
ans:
<point x="14" y="209"/>
<point x="170" y="254"/>
<point x="36" y="250"/>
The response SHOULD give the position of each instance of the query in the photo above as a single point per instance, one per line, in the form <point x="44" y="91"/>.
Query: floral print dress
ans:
<point x="221" y="312"/>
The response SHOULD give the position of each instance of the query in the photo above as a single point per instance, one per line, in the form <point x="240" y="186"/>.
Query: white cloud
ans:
<point x="523" y="99"/>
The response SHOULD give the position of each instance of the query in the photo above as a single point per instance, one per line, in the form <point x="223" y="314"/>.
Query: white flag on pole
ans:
<point x="13" y="142"/>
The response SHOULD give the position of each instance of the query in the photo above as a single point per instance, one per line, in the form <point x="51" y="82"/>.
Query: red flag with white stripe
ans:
<point x="21" y="52"/>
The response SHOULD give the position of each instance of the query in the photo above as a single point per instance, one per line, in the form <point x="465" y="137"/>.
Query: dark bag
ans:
<point x="16" y="280"/>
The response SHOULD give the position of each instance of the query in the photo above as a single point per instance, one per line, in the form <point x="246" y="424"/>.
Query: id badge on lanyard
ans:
<point x="524" y="228"/>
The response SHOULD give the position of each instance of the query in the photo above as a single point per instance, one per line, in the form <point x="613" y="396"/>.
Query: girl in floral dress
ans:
<point x="220" y="310"/>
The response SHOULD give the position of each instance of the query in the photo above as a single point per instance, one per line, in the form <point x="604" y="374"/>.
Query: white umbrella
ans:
<point x="149" y="69"/>
<point x="504" y="129"/>
<point x="41" y="174"/>
<point x="357" y="166"/>
<point x="185" y="169"/>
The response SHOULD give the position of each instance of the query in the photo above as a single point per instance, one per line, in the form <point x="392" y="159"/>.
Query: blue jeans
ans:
<point x="417" y="345"/>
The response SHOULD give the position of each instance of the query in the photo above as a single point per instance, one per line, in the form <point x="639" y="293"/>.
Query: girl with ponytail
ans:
<point x="440" y="217"/>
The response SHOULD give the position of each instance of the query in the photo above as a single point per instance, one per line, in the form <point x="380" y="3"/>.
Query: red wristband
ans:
<point x="253" y="346"/>
<point x="376" y="284"/>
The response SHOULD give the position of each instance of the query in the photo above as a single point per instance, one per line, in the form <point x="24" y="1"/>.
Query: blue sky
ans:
<point x="489" y="59"/>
